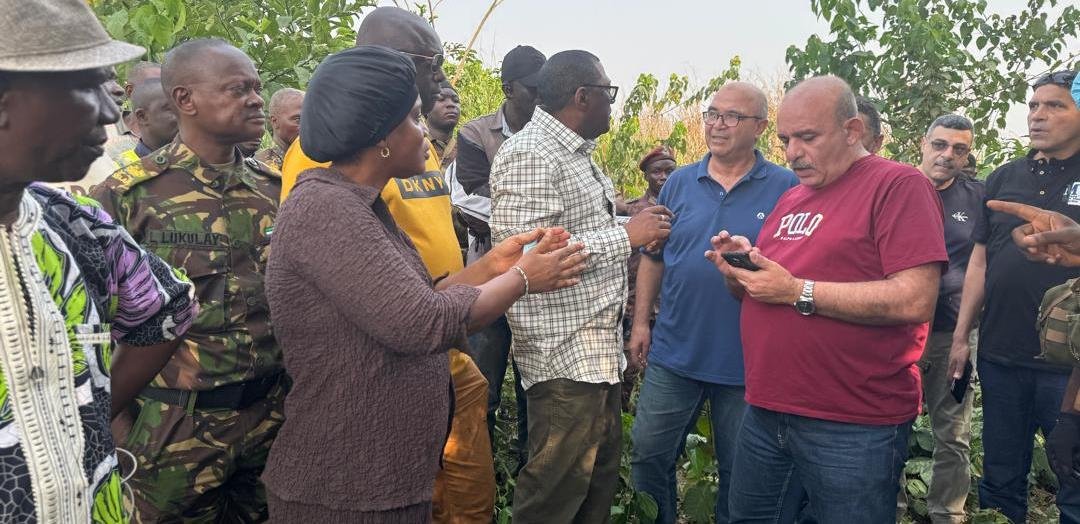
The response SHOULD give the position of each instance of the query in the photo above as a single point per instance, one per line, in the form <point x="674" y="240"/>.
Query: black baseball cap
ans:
<point x="522" y="63"/>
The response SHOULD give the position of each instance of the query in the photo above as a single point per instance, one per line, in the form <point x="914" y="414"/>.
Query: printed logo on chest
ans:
<point x="794" y="226"/>
<point x="960" y="216"/>
<point x="427" y="185"/>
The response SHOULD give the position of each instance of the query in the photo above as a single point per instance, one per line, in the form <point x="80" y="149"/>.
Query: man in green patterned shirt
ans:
<point x="85" y="313"/>
<point x="203" y="429"/>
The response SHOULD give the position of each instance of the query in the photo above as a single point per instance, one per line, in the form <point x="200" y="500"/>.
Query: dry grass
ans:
<point x="656" y="126"/>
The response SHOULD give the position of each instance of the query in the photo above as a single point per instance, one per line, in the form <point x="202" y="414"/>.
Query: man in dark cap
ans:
<point x="655" y="166"/>
<point x="86" y="313"/>
<point x="478" y="141"/>
<point x="465" y="487"/>
<point x="205" y="425"/>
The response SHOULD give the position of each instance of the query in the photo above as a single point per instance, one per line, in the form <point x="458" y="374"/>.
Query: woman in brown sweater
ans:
<point x="363" y="328"/>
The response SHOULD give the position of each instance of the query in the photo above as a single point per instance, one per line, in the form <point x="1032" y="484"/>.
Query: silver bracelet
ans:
<point x="523" y="277"/>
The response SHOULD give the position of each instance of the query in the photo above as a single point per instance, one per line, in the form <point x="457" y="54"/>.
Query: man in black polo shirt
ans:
<point x="1020" y="393"/>
<point x="946" y="150"/>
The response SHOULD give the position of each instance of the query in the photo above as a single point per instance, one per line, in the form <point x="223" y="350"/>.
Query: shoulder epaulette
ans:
<point x="262" y="168"/>
<point x="127" y="177"/>
<point x="145" y="169"/>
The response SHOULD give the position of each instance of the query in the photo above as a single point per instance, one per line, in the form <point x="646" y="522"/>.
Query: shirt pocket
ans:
<point x="95" y="342"/>
<point x="208" y="268"/>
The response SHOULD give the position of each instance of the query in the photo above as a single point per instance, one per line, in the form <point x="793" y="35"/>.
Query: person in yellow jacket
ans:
<point x="465" y="487"/>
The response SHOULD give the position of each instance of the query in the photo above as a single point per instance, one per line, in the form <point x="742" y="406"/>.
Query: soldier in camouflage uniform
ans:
<point x="205" y="424"/>
<point x="285" y="108"/>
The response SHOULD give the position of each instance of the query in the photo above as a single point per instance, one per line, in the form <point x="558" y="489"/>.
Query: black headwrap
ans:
<point x="354" y="100"/>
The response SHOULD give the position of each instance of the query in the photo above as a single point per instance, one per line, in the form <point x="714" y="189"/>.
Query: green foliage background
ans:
<point x="923" y="58"/>
<point x="916" y="58"/>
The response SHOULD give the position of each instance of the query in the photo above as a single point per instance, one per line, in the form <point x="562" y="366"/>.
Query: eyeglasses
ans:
<point x="1058" y="78"/>
<point x="436" y="60"/>
<point x="728" y="119"/>
<point x="957" y="149"/>
<point x="612" y="91"/>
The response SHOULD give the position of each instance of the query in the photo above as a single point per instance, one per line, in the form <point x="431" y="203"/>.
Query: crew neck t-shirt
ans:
<point x="879" y="218"/>
<point x="962" y="202"/>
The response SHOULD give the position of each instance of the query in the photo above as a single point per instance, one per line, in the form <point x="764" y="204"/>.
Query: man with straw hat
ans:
<point x="71" y="281"/>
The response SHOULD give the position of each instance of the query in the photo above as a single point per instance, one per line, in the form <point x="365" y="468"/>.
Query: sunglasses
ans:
<point x="957" y="149"/>
<point x="1058" y="78"/>
<point x="612" y="91"/>
<point x="436" y="60"/>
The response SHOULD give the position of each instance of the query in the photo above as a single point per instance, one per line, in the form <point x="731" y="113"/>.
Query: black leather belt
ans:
<point x="230" y="396"/>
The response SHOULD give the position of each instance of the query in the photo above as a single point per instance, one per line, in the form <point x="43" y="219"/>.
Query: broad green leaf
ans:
<point x="699" y="502"/>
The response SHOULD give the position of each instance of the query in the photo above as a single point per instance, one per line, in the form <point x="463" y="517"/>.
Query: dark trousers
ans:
<point x="575" y="440"/>
<point x="1016" y="402"/>
<point x="491" y="351"/>
<point x="850" y="472"/>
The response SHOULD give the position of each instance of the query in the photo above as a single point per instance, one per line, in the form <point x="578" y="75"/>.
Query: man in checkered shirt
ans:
<point x="568" y="344"/>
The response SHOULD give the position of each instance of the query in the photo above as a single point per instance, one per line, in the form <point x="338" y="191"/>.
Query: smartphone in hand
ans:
<point x="740" y="259"/>
<point x="960" y="385"/>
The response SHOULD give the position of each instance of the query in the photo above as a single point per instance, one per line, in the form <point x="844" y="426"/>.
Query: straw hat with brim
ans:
<point x="56" y="36"/>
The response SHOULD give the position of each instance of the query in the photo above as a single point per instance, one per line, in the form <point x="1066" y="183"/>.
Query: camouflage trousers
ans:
<point x="203" y="467"/>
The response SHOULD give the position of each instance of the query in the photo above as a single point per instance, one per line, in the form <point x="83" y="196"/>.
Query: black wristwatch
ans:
<point x="805" y="304"/>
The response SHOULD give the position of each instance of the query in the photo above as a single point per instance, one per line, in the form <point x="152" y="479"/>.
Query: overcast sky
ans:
<point x="691" y="37"/>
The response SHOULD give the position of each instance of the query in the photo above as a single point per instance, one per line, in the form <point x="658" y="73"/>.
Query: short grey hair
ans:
<point x="951" y="121"/>
<point x="281" y="96"/>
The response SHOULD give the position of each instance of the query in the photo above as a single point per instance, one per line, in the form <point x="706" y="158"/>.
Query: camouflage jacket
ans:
<point x="216" y="226"/>
<point x="272" y="156"/>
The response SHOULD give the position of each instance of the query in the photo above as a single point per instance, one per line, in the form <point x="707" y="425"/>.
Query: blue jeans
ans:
<point x="1016" y="402"/>
<point x="491" y="351"/>
<point x="667" y="406"/>
<point x="850" y="472"/>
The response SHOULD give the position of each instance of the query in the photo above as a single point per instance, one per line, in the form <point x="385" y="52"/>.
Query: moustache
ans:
<point x="801" y="165"/>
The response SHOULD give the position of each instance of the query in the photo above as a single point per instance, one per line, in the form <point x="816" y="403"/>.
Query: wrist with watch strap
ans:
<point x="805" y="304"/>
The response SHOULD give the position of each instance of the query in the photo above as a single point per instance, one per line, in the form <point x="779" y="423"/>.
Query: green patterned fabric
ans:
<point x="99" y="286"/>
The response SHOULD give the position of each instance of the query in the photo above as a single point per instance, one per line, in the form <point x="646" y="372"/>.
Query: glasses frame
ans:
<point x="722" y="119"/>
<point x="941" y="145"/>
<point x="437" y="60"/>
<point x="612" y="91"/>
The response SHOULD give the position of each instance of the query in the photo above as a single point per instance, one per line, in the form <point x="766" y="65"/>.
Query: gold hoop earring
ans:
<point x="385" y="152"/>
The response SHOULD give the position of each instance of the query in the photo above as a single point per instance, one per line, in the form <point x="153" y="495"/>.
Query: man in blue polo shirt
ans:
<point x="694" y="352"/>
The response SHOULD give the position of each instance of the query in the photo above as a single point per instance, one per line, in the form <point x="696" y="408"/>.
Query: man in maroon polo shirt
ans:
<point x="834" y="318"/>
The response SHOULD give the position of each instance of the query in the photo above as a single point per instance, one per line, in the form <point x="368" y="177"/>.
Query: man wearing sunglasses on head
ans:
<point x="1020" y="393"/>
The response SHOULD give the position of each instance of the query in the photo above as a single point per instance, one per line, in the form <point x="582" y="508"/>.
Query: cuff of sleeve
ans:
<point x="462" y="298"/>
<point x="614" y="244"/>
